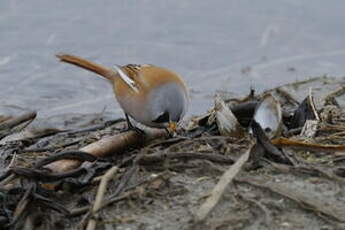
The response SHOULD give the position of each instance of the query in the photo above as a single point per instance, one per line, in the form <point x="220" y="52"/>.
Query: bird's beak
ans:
<point x="172" y="126"/>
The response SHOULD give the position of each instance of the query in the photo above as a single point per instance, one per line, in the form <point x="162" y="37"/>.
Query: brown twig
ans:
<point x="262" y="209"/>
<point x="154" y="158"/>
<point x="43" y="174"/>
<point x="128" y="192"/>
<point x="4" y="118"/>
<point x="70" y="155"/>
<point x="296" y="144"/>
<point x="10" y="123"/>
<point x="219" y="189"/>
<point x="82" y="210"/>
<point x="22" y="205"/>
<point x="100" y="194"/>
<point x="304" y="200"/>
<point x="307" y="169"/>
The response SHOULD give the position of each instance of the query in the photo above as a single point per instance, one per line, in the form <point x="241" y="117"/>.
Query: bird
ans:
<point x="153" y="96"/>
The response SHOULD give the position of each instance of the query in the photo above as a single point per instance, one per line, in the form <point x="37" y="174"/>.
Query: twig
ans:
<point x="6" y="178"/>
<point x="154" y="158"/>
<point x="29" y="223"/>
<point x="12" y="161"/>
<point x="43" y="174"/>
<point x="82" y="210"/>
<point x="336" y="93"/>
<point x="263" y="209"/>
<point x="50" y="204"/>
<point x="296" y="144"/>
<point x="168" y="141"/>
<point x="22" y="205"/>
<point x="310" y="170"/>
<point x="293" y="132"/>
<point x="8" y="124"/>
<point x="111" y="145"/>
<point x="312" y="104"/>
<point x="4" y="118"/>
<point x="130" y="190"/>
<point x="71" y="155"/>
<point x="287" y="96"/>
<point x="100" y="194"/>
<point x="304" y="200"/>
<point x="125" y="180"/>
<point x="219" y="189"/>
<point x="96" y="127"/>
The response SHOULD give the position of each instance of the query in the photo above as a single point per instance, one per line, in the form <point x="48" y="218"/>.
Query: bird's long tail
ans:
<point x="89" y="65"/>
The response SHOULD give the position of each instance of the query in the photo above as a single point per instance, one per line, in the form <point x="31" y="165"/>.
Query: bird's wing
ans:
<point x="129" y="81"/>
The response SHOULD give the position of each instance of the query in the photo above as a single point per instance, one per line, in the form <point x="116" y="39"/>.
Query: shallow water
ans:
<point x="215" y="45"/>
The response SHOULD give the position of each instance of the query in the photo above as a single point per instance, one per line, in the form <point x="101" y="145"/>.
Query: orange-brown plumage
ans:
<point x="146" y="78"/>
<point x="135" y="94"/>
<point x="89" y="65"/>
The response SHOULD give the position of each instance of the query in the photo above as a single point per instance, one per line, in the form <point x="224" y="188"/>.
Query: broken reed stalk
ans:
<point x="128" y="192"/>
<point x="4" y="118"/>
<point x="336" y="93"/>
<point x="10" y="123"/>
<point x="222" y="184"/>
<point x="109" y="146"/>
<point x="296" y="144"/>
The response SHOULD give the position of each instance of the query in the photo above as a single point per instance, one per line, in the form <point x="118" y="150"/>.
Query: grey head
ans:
<point x="168" y="102"/>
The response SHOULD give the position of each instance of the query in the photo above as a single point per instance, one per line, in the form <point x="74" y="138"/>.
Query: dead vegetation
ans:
<point x="224" y="169"/>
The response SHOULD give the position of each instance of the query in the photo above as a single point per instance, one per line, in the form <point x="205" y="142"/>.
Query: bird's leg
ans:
<point x="132" y="127"/>
<point x="129" y="124"/>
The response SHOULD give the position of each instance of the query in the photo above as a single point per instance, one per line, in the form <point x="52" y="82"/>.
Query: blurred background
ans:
<point x="223" y="46"/>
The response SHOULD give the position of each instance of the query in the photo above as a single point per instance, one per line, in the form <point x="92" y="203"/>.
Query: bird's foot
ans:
<point x="131" y="127"/>
<point x="136" y="129"/>
<point x="169" y="132"/>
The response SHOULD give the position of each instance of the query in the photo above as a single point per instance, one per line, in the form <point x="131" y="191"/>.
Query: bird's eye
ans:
<point x="164" y="117"/>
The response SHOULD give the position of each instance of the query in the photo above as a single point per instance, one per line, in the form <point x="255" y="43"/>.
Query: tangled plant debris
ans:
<point x="273" y="160"/>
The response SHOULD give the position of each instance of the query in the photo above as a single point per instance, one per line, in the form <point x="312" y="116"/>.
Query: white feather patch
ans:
<point x="126" y="79"/>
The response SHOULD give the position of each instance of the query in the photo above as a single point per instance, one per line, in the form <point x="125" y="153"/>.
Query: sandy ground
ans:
<point x="169" y="192"/>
